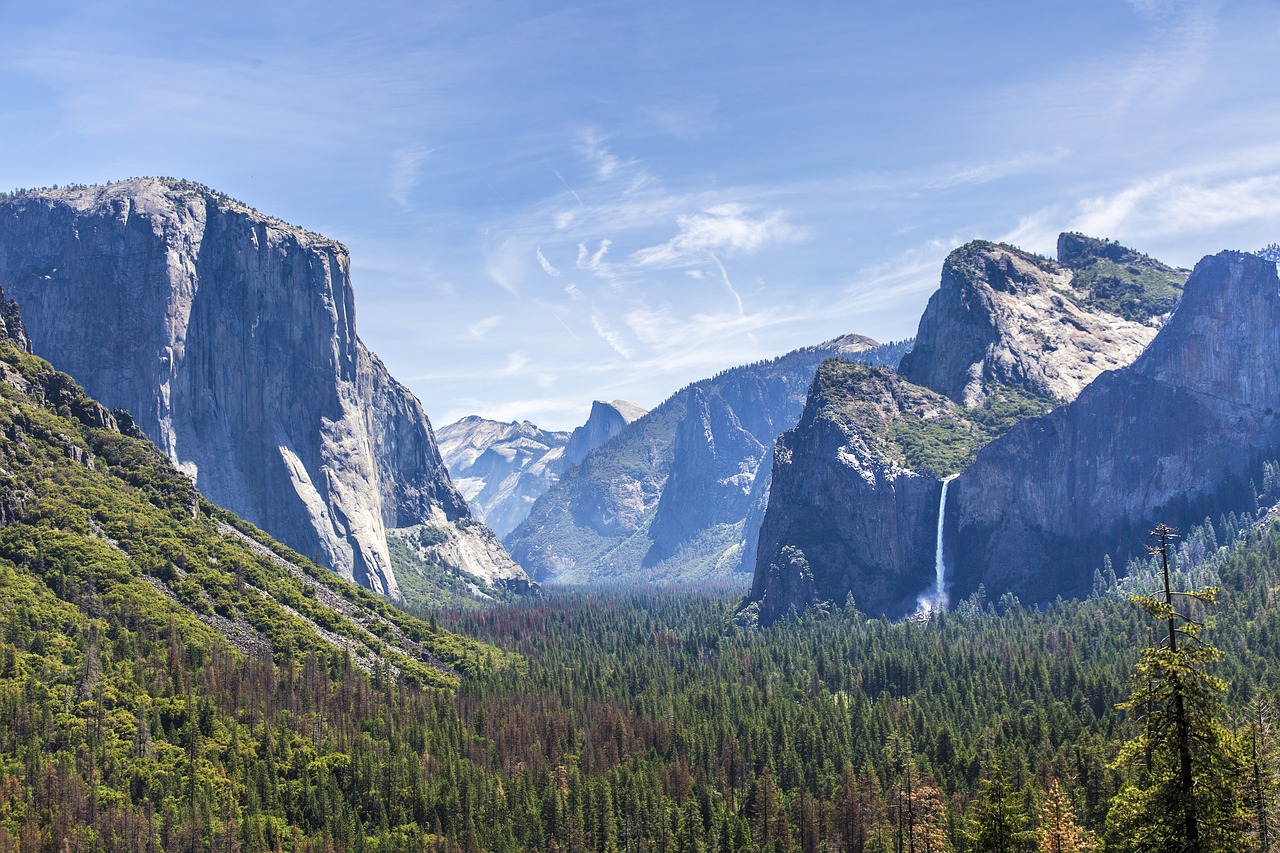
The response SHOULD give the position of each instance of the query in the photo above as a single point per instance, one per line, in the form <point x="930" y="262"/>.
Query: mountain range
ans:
<point x="672" y="496"/>
<point x="502" y="468"/>
<point x="1045" y="413"/>
<point x="1004" y="458"/>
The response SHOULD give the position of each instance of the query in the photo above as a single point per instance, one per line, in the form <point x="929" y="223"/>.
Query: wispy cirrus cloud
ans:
<point x="995" y="170"/>
<point x="516" y="363"/>
<point x="546" y="265"/>
<point x="480" y="330"/>
<point x="1176" y="53"/>
<point x="406" y="171"/>
<point x="723" y="228"/>
<point x="1176" y="203"/>
<point x="611" y="336"/>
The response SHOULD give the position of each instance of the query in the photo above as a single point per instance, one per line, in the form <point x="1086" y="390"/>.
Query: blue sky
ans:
<point x="551" y="203"/>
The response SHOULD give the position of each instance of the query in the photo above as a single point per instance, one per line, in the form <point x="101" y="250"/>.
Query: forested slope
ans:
<point x="172" y="678"/>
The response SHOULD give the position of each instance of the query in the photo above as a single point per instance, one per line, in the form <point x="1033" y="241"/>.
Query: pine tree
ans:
<point x="1059" y="832"/>
<point x="997" y="823"/>
<point x="1185" y="797"/>
<point x="1262" y="776"/>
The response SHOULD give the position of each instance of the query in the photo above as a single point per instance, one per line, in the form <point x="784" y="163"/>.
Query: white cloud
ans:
<point x="724" y="275"/>
<point x="722" y="228"/>
<point x="594" y="262"/>
<point x="406" y="170"/>
<point x="1174" y="204"/>
<point x="506" y="264"/>
<point x="546" y="265"/>
<point x="1176" y="55"/>
<point x="482" y="328"/>
<point x="516" y="362"/>
<point x="901" y="281"/>
<point x="595" y="151"/>
<point x="611" y="337"/>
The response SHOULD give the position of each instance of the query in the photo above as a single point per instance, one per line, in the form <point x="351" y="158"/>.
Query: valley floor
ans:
<point x="645" y="720"/>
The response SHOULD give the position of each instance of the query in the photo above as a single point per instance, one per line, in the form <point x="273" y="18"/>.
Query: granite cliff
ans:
<point x="848" y="509"/>
<point x="1004" y="317"/>
<point x="607" y="419"/>
<point x="230" y="337"/>
<point x="667" y="498"/>
<point x="1175" y="437"/>
<point x="502" y="468"/>
<point x="854" y="501"/>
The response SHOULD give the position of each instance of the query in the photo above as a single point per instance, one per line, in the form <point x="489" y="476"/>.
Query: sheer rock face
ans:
<point x="854" y="512"/>
<point x="502" y="468"/>
<point x="1175" y="437"/>
<point x="668" y="497"/>
<point x="606" y="420"/>
<point x="1004" y="317"/>
<point x="846" y="515"/>
<point x="231" y="339"/>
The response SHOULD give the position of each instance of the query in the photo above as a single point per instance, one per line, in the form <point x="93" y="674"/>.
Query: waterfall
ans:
<point x="939" y="564"/>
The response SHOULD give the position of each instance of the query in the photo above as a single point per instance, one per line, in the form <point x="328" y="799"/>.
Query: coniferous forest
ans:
<point x="172" y="679"/>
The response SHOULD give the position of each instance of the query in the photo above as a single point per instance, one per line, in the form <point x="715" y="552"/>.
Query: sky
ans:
<point x="548" y="203"/>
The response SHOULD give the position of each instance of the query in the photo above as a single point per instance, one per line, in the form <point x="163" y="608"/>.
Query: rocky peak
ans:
<point x="1175" y="437"/>
<point x="847" y="346"/>
<point x="1005" y="318"/>
<point x="851" y="495"/>
<point x="854" y="503"/>
<point x="606" y="420"/>
<point x="1224" y="335"/>
<point x="501" y="468"/>
<point x="231" y="337"/>
<point x="679" y="493"/>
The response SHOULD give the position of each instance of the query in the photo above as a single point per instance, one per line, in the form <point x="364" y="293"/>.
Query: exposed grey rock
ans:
<point x="606" y="420"/>
<point x="1175" y="437"/>
<point x="502" y="468"/>
<point x="846" y="514"/>
<point x="230" y="337"/>
<point x="1008" y="335"/>
<point x="667" y="497"/>
<point x="11" y="325"/>
<point x="1005" y="317"/>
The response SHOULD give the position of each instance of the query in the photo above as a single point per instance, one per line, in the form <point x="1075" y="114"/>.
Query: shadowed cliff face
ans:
<point x="1175" y="437"/>
<point x="846" y="514"/>
<point x="231" y="338"/>
<point x="606" y="420"/>
<point x="854" y="502"/>
<point x="668" y="497"/>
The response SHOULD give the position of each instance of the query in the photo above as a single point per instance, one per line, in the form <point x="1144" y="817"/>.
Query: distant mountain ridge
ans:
<point x="231" y="338"/>
<point x="669" y="497"/>
<point x="502" y="468"/>
<point x="607" y="419"/>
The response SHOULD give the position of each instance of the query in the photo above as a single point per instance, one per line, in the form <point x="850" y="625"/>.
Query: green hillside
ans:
<point x="171" y="677"/>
